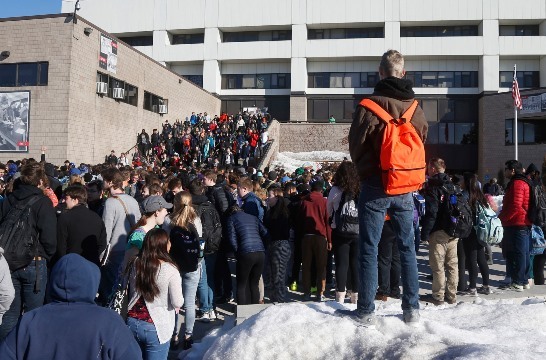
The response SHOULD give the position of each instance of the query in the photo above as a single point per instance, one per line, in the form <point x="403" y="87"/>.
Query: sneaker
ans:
<point x="322" y="298"/>
<point x="527" y="286"/>
<point x="381" y="297"/>
<point x="306" y="297"/>
<point x="205" y="317"/>
<point x="188" y="342"/>
<point x="365" y="320"/>
<point x="313" y="290"/>
<point x="485" y="290"/>
<point x="212" y="315"/>
<point x="294" y="286"/>
<point x="431" y="299"/>
<point x="515" y="287"/>
<point x="469" y="292"/>
<point x="411" y="317"/>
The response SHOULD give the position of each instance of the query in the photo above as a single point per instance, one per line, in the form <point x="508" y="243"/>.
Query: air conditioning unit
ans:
<point x="102" y="88"/>
<point x="163" y="109"/>
<point x="119" y="93"/>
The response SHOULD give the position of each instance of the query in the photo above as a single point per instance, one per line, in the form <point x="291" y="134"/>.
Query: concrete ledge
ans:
<point x="245" y="311"/>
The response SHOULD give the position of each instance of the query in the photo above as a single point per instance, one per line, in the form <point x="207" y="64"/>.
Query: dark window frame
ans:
<point x="194" y="38"/>
<point x="346" y="33"/>
<point x="519" y="30"/>
<point x="141" y="40"/>
<point x="526" y="79"/>
<point x="270" y="81"/>
<point x="110" y="80"/>
<point x="252" y="36"/>
<point x="439" y="31"/>
<point x="41" y="78"/>
<point x="322" y="80"/>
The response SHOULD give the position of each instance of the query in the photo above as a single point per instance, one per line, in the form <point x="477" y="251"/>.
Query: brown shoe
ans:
<point x="381" y="297"/>
<point x="431" y="299"/>
<point x="451" y="301"/>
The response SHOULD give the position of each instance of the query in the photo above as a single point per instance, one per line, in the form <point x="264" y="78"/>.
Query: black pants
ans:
<point x="249" y="270"/>
<point x="475" y="256"/>
<point x="538" y="268"/>
<point x="279" y="254"/>
<point x="345" y="250"/>
<point x="296" y="266"/>
<point x="461" y="258"/>
<point x="222" y="276"/>
<point x="388" y="262"/>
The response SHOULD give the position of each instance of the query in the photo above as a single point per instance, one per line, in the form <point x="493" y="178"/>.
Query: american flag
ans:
<point x="515" y="93"/>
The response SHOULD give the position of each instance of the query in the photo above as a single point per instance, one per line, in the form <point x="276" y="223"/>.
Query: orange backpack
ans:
<point x="402" y="158"/>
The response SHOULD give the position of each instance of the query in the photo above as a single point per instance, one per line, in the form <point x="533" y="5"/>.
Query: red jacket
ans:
<point x="515" y="204"/>
<point x="315" y="215"/>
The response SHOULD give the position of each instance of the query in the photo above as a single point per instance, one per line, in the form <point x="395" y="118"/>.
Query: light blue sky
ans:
<point x="13" y="8"/>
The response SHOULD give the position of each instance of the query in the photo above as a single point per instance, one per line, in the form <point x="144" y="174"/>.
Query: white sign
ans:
<point x="108" y="58"/>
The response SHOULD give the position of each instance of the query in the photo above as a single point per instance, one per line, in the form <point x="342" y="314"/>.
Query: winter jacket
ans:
<point x="210" y="221"/>
<point x="366" y="133"/>
<point x="7" y="292"/>
<point x="217" y="196"/>
<point x="433" y="194"/>
<point x="246" y="233"/>
<point x="45" y="219"/>
<point x="72" y="326"/>
<point x="516" y="201"/>
<point x="253" y="206"/>
<point x="314" y="214"/>
<point x="81" y="231"/>
<point x="277" y="223"/>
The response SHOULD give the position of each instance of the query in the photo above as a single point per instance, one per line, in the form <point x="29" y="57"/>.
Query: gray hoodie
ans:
<point x="7" y="292"/>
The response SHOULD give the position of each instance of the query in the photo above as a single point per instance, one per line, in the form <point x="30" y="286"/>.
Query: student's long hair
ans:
<point x="154" y="251"/>
<point x="346" y="177"/>
<point x="184" y="213"/>
<point x="475" y="194"/>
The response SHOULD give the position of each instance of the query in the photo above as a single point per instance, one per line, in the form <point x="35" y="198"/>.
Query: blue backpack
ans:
<point x="488" y="226"/>
<point x="537" y="240"/>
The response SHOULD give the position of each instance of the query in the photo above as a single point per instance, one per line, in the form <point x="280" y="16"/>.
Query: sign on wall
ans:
<point x="14" y="121"/>
<point x="533" y="103"/>
<point x="108" y="59"/>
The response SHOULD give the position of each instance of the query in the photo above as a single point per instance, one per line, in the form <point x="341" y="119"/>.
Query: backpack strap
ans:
<point x="384" y="115"/>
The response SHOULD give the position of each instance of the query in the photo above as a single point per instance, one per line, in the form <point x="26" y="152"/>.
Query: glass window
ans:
<point x="198" y="79"/>
<point x="147" y="101"/>
<point x="336" y="109"/>
<point x="509" y="132"/>
<point x="44" y="73"/>
<point x="430" y="108"/>
<point x="249" y="81"/>
<point x="131" y="94"/>
<point x="446" y="133"/>
<point x="429" y="79"/>
<point x="320" y="110"/>
<point x="351" y="80"/>
<point x="336" y="80"/>
<point x="446" y="110"/>
<point x="373" y="79"/>
<point x="445" y="79"/>
<point x="188" y="39"/>
<point x="464" y="133"/>
<point x="322" y="80"/>
<point x="414" y="77"/>
<point x="8" y="75"/>
<point x="349" y="109"/>
<point x="27" y="74"/>
<point x="506" y="78"/>
<point x="432" y="135"/>
<point x="507" y="30"/>
<point x="138" y="40"/>
<point x="434" y="31"/>
<point x="260" y="81"/>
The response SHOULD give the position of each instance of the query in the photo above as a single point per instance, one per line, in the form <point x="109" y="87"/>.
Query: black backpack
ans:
<point x="456" y="213"/>
<point x="346" y="215"/>
<point x="212" y="227"/>
<point x="18" y="235"/>
<point x="537" y="206"/>
<point x="185" y="249"/>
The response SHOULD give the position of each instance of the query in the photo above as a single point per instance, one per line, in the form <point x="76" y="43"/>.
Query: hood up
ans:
<point x="74" y="279"/>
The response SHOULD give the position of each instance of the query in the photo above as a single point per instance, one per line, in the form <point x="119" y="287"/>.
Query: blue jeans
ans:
<point x="146" y="336"/>
<point x="372" y="207"/>
<point x="190" y="280"/>
<point x="518" y="260"/>
<point x="29" y="294"/>
<point x="206" y="283"/>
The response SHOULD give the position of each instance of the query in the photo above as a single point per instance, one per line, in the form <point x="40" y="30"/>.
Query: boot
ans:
<point x="354" y="298"/>
<point x="340" y="296"/>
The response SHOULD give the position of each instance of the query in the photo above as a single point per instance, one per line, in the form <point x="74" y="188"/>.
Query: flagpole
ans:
<point x="515" y="122"/>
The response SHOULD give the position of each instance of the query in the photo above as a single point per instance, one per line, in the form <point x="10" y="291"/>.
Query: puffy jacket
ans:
<point x="433" y="193"/>
<point x="366" y="133"/>
<point x="246" y="233"/>
<point x="515" y="204"/>
<point x="253" y="206"/>
<point x="217" y="196"/>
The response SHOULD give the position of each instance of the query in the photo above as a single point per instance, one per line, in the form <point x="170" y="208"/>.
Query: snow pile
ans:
<point x="291" y="161"/>
<point x="483" y="330"/>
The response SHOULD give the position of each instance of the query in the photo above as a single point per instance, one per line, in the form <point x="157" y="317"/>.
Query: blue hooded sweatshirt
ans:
<point x="71" y="326"/>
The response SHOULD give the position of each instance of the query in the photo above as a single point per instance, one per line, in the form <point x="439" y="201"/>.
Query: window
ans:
<point x="342" y="33"/>
<point x="430" y="108"/>
<point x="131" y="94"/>
<point x="147" y="40"/>
<point x="526" y="79"/>
<point x="114" y="84"/>
<point x="446" y="79"/>
<point x="188" y="39"/>
<point x="519" y="30"/>
<point x="249" y="81"/>
<point x="246" y="36"/>
<point x="446" y="110"/>
<point x="152" y="102"/>
<point x="256" y="81"/>
<point x="438" y="31"/>
<point x="24" y="74"/>
<point x="320" y="110"/>
<point x="196" y="79"/>
<point x="452" y="133"/>
<point x="342" y="80"/>
<point x="131" y="91"/>
<point x="529" y="132"/>
<point x="429" y="79"/>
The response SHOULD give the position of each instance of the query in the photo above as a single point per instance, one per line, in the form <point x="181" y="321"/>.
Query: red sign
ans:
<point x="22" y="143"/>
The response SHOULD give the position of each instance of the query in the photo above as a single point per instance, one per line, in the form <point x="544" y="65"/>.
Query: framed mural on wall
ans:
<point x="14" y="121"/>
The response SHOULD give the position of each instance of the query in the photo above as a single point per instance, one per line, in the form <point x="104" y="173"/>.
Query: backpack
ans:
<point x="419" y="202"/>
<point x="346" y="215"/>
<point x="537" y="206"/>
<point x="212" y="227"/>
<point x="488" y="226"/>
<point x="18" y="236"/>
<point x="538" y="243"/>
<point x="185" y="249"/>
<point x="402" y="157"/>
<point x="456" y="214"/>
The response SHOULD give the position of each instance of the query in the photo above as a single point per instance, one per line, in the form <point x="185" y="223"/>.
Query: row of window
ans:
<point x="446" y="79"/>
<point x="188" y="39"/>
<point x="196" y="79"/>
<point x="245" y="36"/>
<point x="152" y="102"/>
<point x="130" y="95"/>
<point x="24" y="74"/>
<point x="438" y="31"/>
<point x="526" y="79"/>
<point x="145" y="40"/>
<point x="452" y="133"/>
<point x="529" y="132"/>
<point x="348" y="33"/>
<point x="342" y="80"/>
<point x="256" y="81"/>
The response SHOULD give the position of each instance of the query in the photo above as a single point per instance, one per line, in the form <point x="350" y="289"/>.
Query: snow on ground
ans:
<point x="291" y="161"/>
<point x="500" y="329"/>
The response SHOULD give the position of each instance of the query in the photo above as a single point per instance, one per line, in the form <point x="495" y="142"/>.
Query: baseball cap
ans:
<point x="154" y="203"/>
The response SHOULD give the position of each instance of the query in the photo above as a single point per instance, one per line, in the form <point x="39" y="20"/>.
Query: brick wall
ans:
<point x="312" y="137"/>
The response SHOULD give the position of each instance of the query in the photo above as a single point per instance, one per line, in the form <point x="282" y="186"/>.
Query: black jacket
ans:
<point x="246" y="233"/>
<point x="217" y="196"/>
<point x="433" y="197"/>
<point x="81" y="231"/>
<point x="45" y="219"/>
<point x="278" y="223"/>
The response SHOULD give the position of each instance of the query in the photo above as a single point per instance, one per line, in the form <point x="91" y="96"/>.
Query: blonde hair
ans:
<point x="184" y="213"/>
<point x="392" y="63"/>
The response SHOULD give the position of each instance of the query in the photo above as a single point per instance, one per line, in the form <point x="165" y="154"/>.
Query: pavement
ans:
<point x="230" y="314"/>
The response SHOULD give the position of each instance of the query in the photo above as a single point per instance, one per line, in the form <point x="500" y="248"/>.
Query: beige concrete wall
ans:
<point x="68" y="116"/>
<point x="274" y="132"/>
<point x="492" y="151"/>
<point x="42" y="40"/>
<point x="313" y="137"/>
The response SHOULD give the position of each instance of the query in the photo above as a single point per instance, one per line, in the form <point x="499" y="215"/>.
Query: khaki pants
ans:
<point x="443" y="258"/>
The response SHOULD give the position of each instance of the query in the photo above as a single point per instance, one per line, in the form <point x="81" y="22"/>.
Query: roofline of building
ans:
<point x="60" y="15"/>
